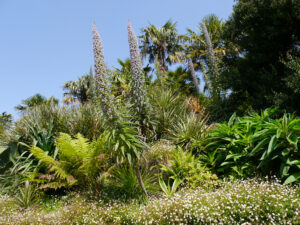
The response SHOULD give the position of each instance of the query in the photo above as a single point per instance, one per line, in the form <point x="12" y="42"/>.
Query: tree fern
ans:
<point x="79" y="161"/>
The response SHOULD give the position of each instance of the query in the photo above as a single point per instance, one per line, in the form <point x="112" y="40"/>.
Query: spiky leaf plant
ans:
<point x="123" y="137"/>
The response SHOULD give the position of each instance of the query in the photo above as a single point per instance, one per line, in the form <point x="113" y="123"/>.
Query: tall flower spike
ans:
<point x="195" y="80"/>
<point x="211" y="57"/>
<point x="104" y="94"/>
<point x="138" y="80"/>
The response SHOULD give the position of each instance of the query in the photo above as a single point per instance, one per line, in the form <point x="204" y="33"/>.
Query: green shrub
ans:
<point x="256" y="143"/>
<point x="188" y="169"/>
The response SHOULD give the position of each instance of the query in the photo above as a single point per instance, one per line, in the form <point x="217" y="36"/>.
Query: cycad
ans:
<point x="79" y="161"/>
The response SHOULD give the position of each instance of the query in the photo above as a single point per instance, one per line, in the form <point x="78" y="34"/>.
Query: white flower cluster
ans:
<point x="241" y="202"/>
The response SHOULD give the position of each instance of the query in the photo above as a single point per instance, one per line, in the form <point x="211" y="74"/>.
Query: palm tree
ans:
<point x="80" y="91"/>
<point x="161" y="43"/>
<point x="200" y="49"/>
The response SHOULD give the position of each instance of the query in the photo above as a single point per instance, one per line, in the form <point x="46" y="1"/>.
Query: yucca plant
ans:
<point x="168" y="106"/>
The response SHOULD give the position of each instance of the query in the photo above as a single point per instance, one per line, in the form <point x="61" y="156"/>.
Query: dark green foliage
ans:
<point x="264" y="144"/>
<point x="289" y="99"/>
<point x="181" y="79"/>
<point x="263" y="31"/>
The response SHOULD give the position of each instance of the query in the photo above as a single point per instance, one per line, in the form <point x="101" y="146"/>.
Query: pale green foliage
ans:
<point x="159" y="153"/>
<point x="186" y="167"/>
<point x="167" y="188"/>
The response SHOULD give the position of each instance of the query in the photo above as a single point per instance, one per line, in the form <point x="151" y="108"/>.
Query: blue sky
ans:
<point x="44" y="43"/>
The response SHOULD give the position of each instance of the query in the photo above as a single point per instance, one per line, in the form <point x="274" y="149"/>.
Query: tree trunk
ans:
<point x="139" y="177"/>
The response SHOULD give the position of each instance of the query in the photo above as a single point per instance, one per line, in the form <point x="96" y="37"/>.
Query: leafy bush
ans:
<point x="257" y="144"/>
<point x="159" y="153"/>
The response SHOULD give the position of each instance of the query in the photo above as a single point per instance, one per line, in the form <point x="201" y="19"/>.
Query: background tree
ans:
<point x="35" y="100"/>
<point x="182" y="80"/>
<point x="80" y="91"/>
<point x="161" y="43"/>
<point x="6" y="119"/>
<point x="263" y="31"/>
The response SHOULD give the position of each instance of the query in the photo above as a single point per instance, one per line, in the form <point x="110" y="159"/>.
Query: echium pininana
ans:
<point x="138" y="91"/>
<point x="195" y="80"/>
<point x="211" y="58"/>
<point x="103" y="90"/>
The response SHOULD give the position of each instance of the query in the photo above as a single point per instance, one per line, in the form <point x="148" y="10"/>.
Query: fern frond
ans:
<point x="66" y="149"/>
<point x="81" y="146"/>
<point x="42" y="156"/>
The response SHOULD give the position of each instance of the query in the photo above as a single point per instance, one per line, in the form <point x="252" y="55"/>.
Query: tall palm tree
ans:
<point x="161" y="43"/>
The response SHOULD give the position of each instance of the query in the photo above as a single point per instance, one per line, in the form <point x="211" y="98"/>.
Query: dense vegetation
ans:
<point x="142" y="145"/>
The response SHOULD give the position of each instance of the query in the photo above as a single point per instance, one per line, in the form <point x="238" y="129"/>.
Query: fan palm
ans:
<point x="161" y="43"/>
